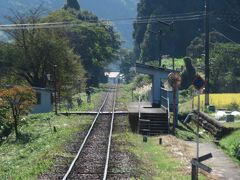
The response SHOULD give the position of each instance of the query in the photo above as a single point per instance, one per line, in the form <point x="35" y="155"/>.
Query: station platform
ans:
<point x="145" y="108"/>
<point x="156" y="118"/>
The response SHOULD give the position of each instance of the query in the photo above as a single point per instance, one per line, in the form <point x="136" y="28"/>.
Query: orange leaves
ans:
<point x="20" y="98"/>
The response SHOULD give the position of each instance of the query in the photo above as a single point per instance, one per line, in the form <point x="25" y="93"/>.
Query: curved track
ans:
<point x="92" y="159"/>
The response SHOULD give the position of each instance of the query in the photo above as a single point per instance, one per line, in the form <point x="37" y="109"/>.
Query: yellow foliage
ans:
<point x="220" y="100"/>
<point x="18" y="98"/>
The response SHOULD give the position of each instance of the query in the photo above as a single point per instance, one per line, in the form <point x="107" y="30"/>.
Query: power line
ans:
<point x="233" y="27"/>
<point x="224" y="36"/>
<point x="230" y="6"/>
<point x="169" y="18"/>
<point x="191" y="16"/>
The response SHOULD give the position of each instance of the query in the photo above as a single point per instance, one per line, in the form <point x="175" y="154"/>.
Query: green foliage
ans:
<point x="225" y="68"/>
<point x="233" y="106"/>
<point x="32" y="54"/>
<point x="39" y="148"/>
<point x="175" y="43"/>
<point x="188" y="74"/>
<point x="73" y="4"/>
<point x="96" y="43"/>
<point x="196" y="47"/>
<point x="141" y="80"/>
<point x="231" y="145"/>
<point x="127" y="62"/>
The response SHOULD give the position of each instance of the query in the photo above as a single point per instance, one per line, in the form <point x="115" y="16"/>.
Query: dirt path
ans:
<point x="223" y="167"/>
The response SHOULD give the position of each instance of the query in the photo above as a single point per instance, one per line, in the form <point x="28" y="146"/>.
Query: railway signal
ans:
<point x="199" y="84"/>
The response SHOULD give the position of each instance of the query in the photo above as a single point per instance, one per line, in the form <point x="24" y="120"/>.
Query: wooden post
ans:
<point x="194" y="172"/>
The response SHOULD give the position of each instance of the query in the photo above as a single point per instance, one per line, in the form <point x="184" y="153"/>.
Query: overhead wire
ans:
<point x="230" y="25"/>
<point x="139" y="20"/>
<point x="224" y="36"/>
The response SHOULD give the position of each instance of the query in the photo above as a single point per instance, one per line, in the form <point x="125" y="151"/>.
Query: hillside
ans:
<point x="106" y="9"/>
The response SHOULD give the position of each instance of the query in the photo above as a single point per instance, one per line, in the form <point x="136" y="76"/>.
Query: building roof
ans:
<point x="154" y="68"/>
<point x="112" y="74"/>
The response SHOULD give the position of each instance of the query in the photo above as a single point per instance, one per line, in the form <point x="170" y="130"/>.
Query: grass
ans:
<point x="188" y="131"/>
<point x="155" y="160"/>
<point x="178" y="63"/>
<point x="35" y="152"/>
<point x="231" y="145"/>
<point x="124" y="96"/>
<point x="168" y="63"/>
<point x="85" y="105"/>
<point x="151" y="161"/>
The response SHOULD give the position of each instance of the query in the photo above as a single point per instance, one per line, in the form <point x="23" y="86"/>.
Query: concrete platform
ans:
<point x="145" y="107"/>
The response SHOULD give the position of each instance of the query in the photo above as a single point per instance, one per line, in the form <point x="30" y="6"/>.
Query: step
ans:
<point x="153" y="116"/>
<point x="144" y="120"/>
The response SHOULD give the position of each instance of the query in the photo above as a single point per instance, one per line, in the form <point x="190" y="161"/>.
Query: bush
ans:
<point x="233" y="106"/>
<point x="141" y="80"/>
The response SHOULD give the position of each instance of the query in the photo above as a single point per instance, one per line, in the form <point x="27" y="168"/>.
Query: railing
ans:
<point x="169" y="116"/>
<point x="166" y="99"/>
<point x="167" y="102"/>
<point x="139" y="107"/>
<point x="139" y="113"/>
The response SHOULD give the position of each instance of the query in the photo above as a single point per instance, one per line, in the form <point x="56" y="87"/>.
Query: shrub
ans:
<point x="233" y="106"/>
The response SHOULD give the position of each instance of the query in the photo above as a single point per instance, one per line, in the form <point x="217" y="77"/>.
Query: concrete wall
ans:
<point x="46" y="105"/>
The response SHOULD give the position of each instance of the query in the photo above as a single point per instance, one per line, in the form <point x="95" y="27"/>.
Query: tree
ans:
<point x="73" y="4"/>
<point x="225" y="18"/>
<point x="196" y="47"/>
<point x="33" y="52"/>
<point x="225" y="68"/>
<point x="127" y="61"/>
<point x="20" y="100"/>
<point x="97" y="43"/>
<point x="188" y="74"/>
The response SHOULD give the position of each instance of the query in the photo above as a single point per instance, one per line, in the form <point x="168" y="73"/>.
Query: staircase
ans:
<point x="153" y="124"/>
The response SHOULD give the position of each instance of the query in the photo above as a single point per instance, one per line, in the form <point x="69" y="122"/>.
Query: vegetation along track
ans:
<point x="91" y="161"/>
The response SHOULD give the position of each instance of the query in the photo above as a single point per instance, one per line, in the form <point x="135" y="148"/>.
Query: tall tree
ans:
<point x="73" y="4"/>
<point x="225" y="18"/>
<point x="225" y="68"/>
<point x="188" y="74"/>
<point x="33" y="52"/>
<point x="97" y="43"/>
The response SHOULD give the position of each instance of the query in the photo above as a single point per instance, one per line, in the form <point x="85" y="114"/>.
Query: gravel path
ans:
<point x="91" y="162"/>
<point x="90" y="165"/>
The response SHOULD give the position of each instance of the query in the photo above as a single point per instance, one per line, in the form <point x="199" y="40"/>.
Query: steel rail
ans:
<point x="110" y="137"/>
<point x="85" y="140"/>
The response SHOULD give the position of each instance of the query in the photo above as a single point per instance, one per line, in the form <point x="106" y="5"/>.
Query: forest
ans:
<point x="177" y="29"/>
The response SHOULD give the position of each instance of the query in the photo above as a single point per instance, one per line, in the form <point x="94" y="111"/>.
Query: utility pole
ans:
<point x="55" y="88"/>
<point x="160" y="48"/>
<point x="207" y="89"/>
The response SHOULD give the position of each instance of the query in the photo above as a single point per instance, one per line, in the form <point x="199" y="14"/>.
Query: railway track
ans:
<point x="92" y="159"/>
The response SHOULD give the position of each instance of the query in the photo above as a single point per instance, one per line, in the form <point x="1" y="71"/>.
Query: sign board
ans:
<point x="201" y="166"/>
<point x="198" y="83"/>
<point x="205" y="157"/>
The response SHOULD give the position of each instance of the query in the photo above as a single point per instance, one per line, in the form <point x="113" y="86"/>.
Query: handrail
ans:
<point x="168" y="111"/>
<point x="139" y="104"/>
